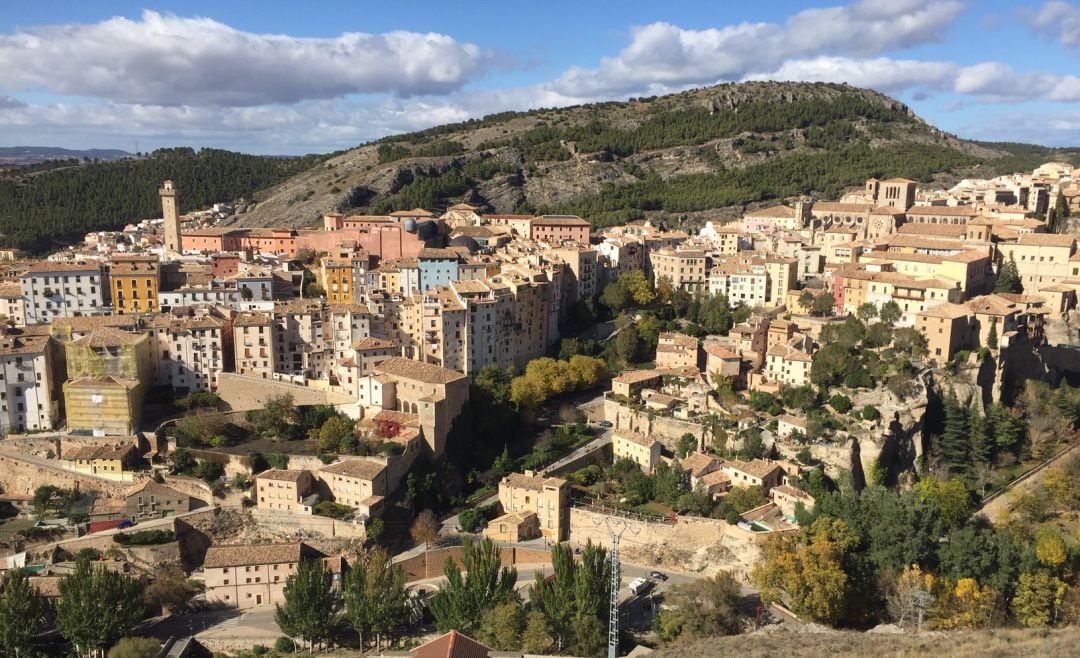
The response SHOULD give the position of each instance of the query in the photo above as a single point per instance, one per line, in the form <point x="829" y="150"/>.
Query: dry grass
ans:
<point x="845" y="644"/>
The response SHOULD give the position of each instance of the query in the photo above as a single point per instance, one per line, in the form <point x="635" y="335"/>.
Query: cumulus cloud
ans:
<point x="162" y="59"/>
<point x="881" y="73"/>
<point x="672" y="57"/>
<point x="1059" y="20"/>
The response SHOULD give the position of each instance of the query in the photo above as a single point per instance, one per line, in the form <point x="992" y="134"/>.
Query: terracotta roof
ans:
<point x="48" y="267"/>
<point x="1045" y="240"/>
<point x="698" y="463"/>
<point x="636" y="376"/>
<point x="23" y="344"/>
<point x="10" y="290"/>
<point x="532" y="482"/>
<point x="281" y="475"/>
<point x="789" y="490"/>
<point x="943" y="211"/>
<point x="363" y="469"/>
<point x="154" y="487"/>
<point x="108" y="337"/>
<point x="942" y="230"/>
<point x="418" y="370"/>
<point x="772" y="211"/>
<point x="373" y="343"/>
<point x="634" y="437"/>
<point x="451" y="645"/>
<point x="720" y="352"/>
<point x="758" y="467"/>
<point x="239" y="555"/>
<point x="559" y="220"/>
<point x="713" y="478"/>
<point x="992" y="305"/>
<point x="842" y="207"/>
<point x="119" y="451"/>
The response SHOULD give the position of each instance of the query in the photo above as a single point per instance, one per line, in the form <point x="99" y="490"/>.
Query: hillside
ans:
<point x="715" y="149"/>
<point x="17" y="156"/>
<point x="43" y="210"/>
<point x="1001" y="643"/>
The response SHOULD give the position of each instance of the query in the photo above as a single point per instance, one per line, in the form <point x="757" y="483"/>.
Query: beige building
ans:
<point x="638" y="448"/>
<point x="290" y="491"/>
<point x="787" y="365"/>
<point x="189" y="349"/>
<point x="115" y="462"/>
<point x="1042" y="258"/>
<point x="947" y="328"/>
<point x="249" y="576"/>
<point x="675" y="350"/>
<point x="28" y="388"/>
<point x="254" y="341"/>
<point x="359" y="483"/>
<point x="682" y="268"/>
<point x="547" y="497"/>
<point x="434" y="394"/>
<point x="514" y="527"/>
<point x="756" y="473"/>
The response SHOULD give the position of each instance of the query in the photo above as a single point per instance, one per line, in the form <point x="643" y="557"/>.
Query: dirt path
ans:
<point x="997" y="508"/>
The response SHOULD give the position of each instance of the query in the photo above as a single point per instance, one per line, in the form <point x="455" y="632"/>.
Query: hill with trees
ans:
<point x="43" y="210"/>
<point x="679" y="157"/>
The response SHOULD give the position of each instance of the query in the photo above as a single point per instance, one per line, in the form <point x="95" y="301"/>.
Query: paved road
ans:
<point x="603" y="439"/>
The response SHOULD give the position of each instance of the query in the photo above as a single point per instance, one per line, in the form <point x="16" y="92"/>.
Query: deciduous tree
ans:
<point x="23" y="613"/>
<point x="311" y="611"/>
<point x="425" y="528"/>
<point x="374" y="597"/>
<point x="97" y="606"/>
<point x="466" y="597"/>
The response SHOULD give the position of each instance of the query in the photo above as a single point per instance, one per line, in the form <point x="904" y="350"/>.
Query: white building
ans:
<point x="26" y="384"/>
<point x="62" y="290"/>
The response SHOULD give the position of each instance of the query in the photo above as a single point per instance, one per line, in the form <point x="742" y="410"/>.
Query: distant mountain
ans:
<point x="684" y="157"/>
<point x="27" y="155"/>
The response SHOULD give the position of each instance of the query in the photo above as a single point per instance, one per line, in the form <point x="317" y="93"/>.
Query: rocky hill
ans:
<point x="709" y="152"/>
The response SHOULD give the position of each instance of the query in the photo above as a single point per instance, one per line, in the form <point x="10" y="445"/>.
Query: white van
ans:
<point x="638" y="585"/>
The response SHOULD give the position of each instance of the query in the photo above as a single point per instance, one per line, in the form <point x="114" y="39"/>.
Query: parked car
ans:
<point x="604" y="423"/>
<point x="656" y="575"/>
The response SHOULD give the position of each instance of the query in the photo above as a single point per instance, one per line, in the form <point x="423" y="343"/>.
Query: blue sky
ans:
<point x="293" y="77"/>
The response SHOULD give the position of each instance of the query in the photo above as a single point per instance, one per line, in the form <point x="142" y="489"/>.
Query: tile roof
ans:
<point x="373" y="343"/>
<point x="757" y="467"/>
<point x="559" y="220"/>
<point x="451" y="645"/>
<point x="842" y="207"/>
<point x="943" y="211"/>
<point x="532" y="482"/>
<point x="150" y="486"/>
<point x="636" y="376"/>
<point x="243" y="555"/>
<point x="49" y="267"/>
<point x="108" y="337"/>
<point x="281" y="475"/>
<point x="363" y="469"/>
<point x="698" y="463"/>
<point x="1045" y="240"/>
<point x="635" y="437"/>
<point x="772" y="211"/>
<point x="418" y="370"/>
<point x="23" y="344"/>
<point x="118" y="451"/>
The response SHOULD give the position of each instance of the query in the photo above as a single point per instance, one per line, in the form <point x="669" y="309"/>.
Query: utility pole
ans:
<point x="613" y="613"/>
<point x="616" y="530"/>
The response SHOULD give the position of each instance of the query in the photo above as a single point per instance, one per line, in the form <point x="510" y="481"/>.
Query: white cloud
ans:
<point x="163" y="59"/>
<point x="1060" y="20"/>
<point x="673" y="57"/>
<point x="879" y="73"/>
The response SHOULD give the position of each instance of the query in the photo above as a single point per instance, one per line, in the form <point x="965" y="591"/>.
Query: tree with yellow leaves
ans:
<point x="964" y="604"/>
<point x="1050" y="549"/>
<point x="807" y="571"/>
<point x="911" y="591"/>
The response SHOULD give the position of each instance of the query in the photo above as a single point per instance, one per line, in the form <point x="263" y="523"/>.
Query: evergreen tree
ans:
<point x="992" y="337"/>
<point x="22" y="613"/>
<point x="980" y="442"/>
<point x="461" y="604"/>
<point x="374" y="597"/>
<point x="97" y="606"/>
<point x="311" y="611"/>
<point x="1061" y="213"/>
<point x="955" y="442"/>
<point x="1008" y="277"/>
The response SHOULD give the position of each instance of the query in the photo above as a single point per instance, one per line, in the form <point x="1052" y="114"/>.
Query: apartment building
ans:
<point x="56" y="290"/>
<point x="436" y="267"/>
<point x="12" y="304"/>
<point x="285" y="490"/>
<point x="947" y="328"/>
<point x="248" y="576"/>
<point x="338" y="280"/>
<point x="617" y="256"/>
<point x="299" y="337"/>
<point x="675" y="350"/>
<point x="254" y="342"/>
<point x="189" y="349"/>
<point x="490" y="326"/>
<point x="359" y="483"/>
<point x="1042" y="258"/>
<point x="787" y="365"/>
<point x="638" y="448"/>
<point x="150" y="500"/>
<point x="547" y="497"/>
<point x="134" y="283"/>
<point x="556" y="229"/>
<point x="28" y="381"/>
<point x="682" y="268"/>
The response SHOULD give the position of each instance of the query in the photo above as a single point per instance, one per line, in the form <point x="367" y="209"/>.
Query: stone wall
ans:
<point x="429" y="564"/>
<point x="691" y="544"/>
<point x="22" y="477"/>
<point x="663" y="428"/>
<point x="325" y="526"/>
<point x="243" y="393"/>
<point x="193" y="487"/>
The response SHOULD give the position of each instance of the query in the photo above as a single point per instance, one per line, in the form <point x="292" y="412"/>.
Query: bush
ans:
<point x="278" y="461"/>
<point x="144" y="537"/>
<point x="471" y="521"/>
<point x="284" y="645"/>
<point x="841" y="403"/>
<point x="334" y="510"/>
<point x="209" y="470"/>
<point x="135" y="647"/>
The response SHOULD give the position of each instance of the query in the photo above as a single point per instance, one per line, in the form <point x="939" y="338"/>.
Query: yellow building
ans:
<point x="134" y="283"/>
<point x="114" y="462"/>
<point x="337" y="280"/>
<point x="108" y="372"/>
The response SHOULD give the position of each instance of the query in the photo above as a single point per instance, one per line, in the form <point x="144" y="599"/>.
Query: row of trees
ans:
<point x="97" y="606"/>
<point x="545" y="378"/>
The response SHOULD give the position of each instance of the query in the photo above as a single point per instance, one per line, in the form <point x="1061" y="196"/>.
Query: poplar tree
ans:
<point x="955" y="444"/>
<point x="22" y="613"/>
<point x="97" y="606"/>
<point x="311" y="611"/>
<point x="375" y="598"/>
<point x="466" y="597"/>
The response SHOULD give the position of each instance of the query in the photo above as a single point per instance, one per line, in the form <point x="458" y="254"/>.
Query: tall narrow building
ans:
<point x="170" y="208"/>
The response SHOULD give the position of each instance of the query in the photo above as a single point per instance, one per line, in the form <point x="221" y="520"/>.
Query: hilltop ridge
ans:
<point x="711" y="149"/>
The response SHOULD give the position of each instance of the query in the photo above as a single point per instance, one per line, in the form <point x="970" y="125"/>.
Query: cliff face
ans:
<point x="543" y="158"/>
